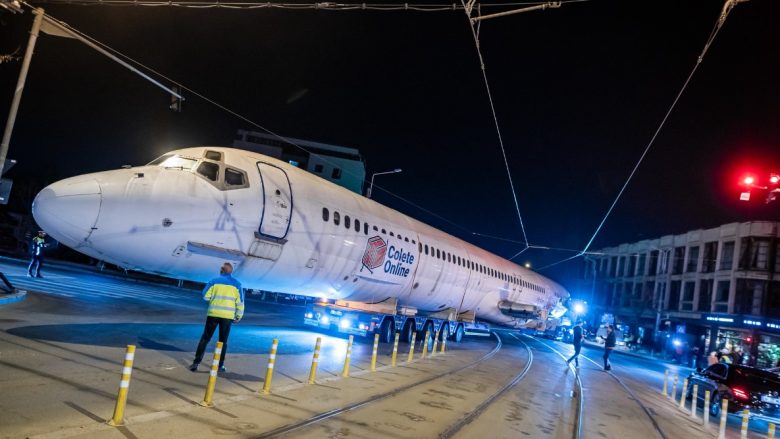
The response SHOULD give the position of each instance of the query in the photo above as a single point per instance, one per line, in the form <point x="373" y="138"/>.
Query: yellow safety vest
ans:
<point x="225" y="297"/>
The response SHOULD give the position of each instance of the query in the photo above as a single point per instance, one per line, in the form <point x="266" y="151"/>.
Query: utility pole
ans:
<point x="9" y="125"/>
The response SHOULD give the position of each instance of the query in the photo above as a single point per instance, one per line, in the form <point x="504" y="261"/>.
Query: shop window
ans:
<point x="722" y="296"/>
<point x="641" y="267"/>
<point x="325" y="214"/>
<point x="727" y="256"/>
<point x="679" y="260"/>
<point x="687" y="300"/>
<point x="674" y="295"/>
<point x="710" y="253"/>
<point x="693" y="259"/>
<point x="336" y="218"/>
<point x="705" y="295"/>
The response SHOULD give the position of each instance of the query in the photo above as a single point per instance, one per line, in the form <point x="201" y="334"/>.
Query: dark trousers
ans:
<point x="607" y="352"/>
<point x="208" y="331"/>
<point x="35" y="264"/>
<point x="577" y="348"/>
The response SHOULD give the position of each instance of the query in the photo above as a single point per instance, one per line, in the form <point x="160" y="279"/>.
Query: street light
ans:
<point x="371" y="186"/>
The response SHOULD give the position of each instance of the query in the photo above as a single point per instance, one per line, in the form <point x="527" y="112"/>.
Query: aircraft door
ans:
<point x="277" y="201"/>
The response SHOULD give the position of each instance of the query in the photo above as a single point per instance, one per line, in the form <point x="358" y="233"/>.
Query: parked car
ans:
<point x="744" y="387"/>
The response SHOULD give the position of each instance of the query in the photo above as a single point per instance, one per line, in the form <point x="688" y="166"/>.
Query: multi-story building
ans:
<point x="711" y="289"/>
<point x="341" y="165"/>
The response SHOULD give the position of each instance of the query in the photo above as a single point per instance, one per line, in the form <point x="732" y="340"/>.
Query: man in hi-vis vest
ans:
<point x="226" y="305"/>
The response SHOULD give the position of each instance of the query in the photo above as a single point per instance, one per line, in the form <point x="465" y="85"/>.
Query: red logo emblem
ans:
<point x="376" y="248"/>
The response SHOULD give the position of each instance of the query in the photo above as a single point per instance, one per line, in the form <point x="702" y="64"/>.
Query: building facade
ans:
<point x="338" y="164"/>
<point x="701" y="291"/>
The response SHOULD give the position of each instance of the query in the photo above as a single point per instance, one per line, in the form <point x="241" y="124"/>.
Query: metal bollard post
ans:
<point x="666" y="381"/>
<point x="435" y="343"/>
<point x="345" y="372"/>
<point x="770" y="434"/>
<point x="674" y="389"/>
<point x="425" y="344"/>
<point x="315" y="359"/>
<point x="395" y="349"/>
<point x="411" y="348"/>
<point x="124" y="386"/>
<point x="694" y="400"/>
<point x="373" y="353"/>
<point x="683" y="391"/>
<point x="706" y="408"/>
<point x="443" y="343"/>
<point x="269" y="371"/>
<point x="724" y="413"/>
<point x="745" y="419"/>
<point x="212" y="377"/>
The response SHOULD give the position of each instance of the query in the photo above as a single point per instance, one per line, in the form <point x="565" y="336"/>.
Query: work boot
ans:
<point x="194" y="367"/>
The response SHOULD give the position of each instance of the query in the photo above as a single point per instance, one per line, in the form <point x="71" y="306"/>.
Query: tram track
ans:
<point x="658" y="430"/>
<point x="320" y="417"/>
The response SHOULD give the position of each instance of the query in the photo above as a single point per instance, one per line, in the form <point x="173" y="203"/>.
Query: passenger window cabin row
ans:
<point x="354" y="223"/>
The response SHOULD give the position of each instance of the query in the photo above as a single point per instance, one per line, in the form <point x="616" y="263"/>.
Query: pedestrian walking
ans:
<point x="36" y="254"/>
<point x="609" y="345"/>
<point x="577" y="342"/>
<point x="226" y="306"/>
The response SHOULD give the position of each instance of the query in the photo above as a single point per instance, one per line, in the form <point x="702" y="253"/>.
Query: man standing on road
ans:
<point x="226" y="305"/>
<point x="609" y="346"/>
<point x="577" y="341"/>
<point x="36" y="254"/>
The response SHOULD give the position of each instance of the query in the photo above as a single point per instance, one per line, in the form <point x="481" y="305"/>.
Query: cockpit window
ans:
<point x="234" y="178"/>
<point x="214" y="155"/>
<point x="209" y="170"/>
<point x="174" y="161"/>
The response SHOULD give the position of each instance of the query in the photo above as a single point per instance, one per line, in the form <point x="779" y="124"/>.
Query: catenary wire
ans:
<point x="729" y="5"/>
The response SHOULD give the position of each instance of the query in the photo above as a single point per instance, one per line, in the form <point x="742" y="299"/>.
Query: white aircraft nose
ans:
<point x="68" y="209"/>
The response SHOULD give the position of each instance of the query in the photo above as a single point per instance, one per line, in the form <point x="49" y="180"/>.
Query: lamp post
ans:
<point x="371" y="186"/>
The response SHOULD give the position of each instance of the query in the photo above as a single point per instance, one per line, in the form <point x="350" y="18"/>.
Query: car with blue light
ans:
<point x="744" y="387"/>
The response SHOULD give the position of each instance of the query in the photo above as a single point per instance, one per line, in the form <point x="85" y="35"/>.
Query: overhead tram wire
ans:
<point x="727" y="7"/>
<point x="241" y="117"/>
<point x="322" y="6"/>
<point x="475" y="34"/>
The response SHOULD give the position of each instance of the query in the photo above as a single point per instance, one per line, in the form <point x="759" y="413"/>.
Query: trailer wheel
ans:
<point x="406" y="333"/>
<point x="457" y="337"/>
<point x="386" y="331"/>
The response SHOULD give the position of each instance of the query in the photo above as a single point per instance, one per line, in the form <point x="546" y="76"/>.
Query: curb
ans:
<point x="16" y="296"/>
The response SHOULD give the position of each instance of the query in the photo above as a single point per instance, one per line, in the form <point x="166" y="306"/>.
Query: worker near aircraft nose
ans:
<point x="226" y="306"/>
<point x="36" y="254"/>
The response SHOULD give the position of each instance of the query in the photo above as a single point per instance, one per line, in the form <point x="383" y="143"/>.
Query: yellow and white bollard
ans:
<point x="425" y="344"/>
<point x="411" y="348"/>
<point x="443" y="343"/>
<point x="770" y="434"/>
<point x="724" y="414"/>
<point x="124" y="386"/>
<point x="694" y="400"/>
<point x="207" y="399"/>
<point x="745" y="419"/>
<point x="674" y="389"/>
<point x="683" y="392"/>
<point x="706" y="408"/>
<point x="373" y="353"/>
<point x="269" y="371"/>
<point x="435" y="343"/>
<point x="315" y="360"/>
<point x="345" y="372"/>
<point x="395" y="349"/>
<point x="666" y="381"/>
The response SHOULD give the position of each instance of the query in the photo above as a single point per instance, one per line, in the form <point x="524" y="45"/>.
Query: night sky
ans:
<point x="578" y="90"/>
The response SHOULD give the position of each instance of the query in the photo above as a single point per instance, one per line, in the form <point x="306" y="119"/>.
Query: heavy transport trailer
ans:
<point x="386" y="319"/>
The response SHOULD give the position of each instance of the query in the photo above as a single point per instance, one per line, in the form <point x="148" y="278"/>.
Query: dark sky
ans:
<point x="578" y="90"/>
